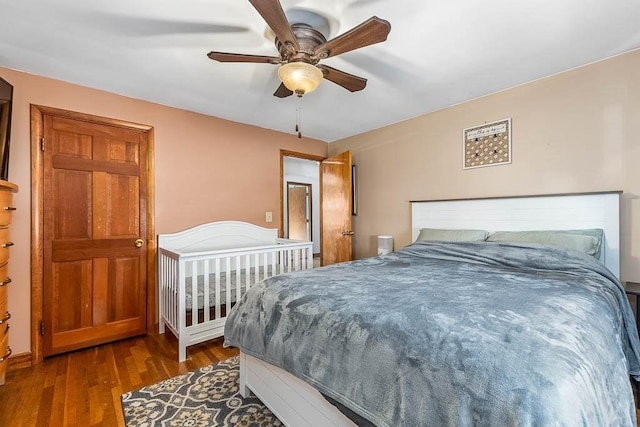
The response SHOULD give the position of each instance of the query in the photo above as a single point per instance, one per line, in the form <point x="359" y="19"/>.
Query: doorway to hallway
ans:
<point x="301" y="198"/>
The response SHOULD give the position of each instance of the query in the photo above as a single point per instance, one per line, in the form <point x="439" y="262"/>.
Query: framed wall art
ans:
<point x="487" y="145"/>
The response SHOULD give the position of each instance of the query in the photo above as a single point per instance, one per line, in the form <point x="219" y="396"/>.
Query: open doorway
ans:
<point x="301" y="174"/>
<point x="331" y="202"/>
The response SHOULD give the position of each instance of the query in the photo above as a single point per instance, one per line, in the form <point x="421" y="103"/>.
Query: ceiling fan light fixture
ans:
<point x="300" y="77"/>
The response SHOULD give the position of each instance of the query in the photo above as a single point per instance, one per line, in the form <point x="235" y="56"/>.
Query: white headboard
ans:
<point x="552" y="212"/>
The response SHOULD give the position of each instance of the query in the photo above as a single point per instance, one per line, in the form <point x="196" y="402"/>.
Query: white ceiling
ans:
<point x="439" y="53"/>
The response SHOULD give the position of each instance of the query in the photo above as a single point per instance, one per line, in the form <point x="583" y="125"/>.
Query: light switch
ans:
<point x="269" y="217"/>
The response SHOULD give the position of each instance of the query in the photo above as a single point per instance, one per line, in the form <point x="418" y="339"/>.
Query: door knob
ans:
<point x="139" y="243"/>
<point x="347" y="233"/>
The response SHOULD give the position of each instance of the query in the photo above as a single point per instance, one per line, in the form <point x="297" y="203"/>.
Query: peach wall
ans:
<point x="572" y="132"/>
<point x="207" y="169"/>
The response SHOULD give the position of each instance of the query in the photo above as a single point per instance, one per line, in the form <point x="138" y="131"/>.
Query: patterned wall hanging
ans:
<point x="487" y="145"/>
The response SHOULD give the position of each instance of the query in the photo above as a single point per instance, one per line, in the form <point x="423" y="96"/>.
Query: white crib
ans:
<point x="204" y="270"/>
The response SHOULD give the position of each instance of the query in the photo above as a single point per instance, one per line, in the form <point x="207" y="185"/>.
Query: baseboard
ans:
<point x="19" y="361"/>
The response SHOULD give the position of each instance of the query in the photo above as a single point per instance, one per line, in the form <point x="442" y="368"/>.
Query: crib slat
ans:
<point x="227" y="274"/>
<point x="238" y="277"/>
<point x="274" y="256"/>
<point x="256" y="269"/>
<point x="205" y="285"/>
<point x="194" y="292"/>
<point x="247" y="272"/>
<point x="217" y="282"/>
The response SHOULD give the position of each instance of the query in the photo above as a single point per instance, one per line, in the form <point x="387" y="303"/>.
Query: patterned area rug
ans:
<point x="209" y="396"/>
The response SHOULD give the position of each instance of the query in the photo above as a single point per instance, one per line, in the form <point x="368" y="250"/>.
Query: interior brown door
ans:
<point x="336" y="201"/>
<point x="299" y="211"/>
<point x="94" y="231"/>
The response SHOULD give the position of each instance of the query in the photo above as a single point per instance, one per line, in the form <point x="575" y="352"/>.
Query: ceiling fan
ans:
<point x="301" y="47"/>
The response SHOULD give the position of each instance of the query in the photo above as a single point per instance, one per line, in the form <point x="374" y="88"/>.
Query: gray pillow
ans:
<point x="452" y="235"/>
<point x="588" y="241"/>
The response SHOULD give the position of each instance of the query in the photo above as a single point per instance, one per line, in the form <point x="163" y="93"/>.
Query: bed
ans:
<point x="203" y="271"/>
<point x="521" y="334"/>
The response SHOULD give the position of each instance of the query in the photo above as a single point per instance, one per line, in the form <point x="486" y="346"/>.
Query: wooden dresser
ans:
<point x="6" y="211"/>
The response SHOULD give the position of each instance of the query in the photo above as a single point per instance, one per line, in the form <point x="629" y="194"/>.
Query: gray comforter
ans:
<point x="453" y="334"/>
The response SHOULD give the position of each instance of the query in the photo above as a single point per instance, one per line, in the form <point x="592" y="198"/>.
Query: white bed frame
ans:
<point x="296" y="403"/>
<point x="227" y="255"/>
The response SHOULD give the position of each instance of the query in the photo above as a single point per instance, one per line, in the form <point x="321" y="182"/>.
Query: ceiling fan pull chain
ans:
<point x="298" y="125"/>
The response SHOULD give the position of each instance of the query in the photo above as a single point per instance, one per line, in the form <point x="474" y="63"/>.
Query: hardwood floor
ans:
<point x="83" y="388"/>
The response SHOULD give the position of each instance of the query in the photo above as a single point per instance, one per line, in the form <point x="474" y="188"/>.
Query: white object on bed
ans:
<point x="225" y="258"/>
<point x="277" y="388"/>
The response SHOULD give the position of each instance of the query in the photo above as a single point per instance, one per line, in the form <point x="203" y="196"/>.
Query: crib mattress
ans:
<point x="234" y="279"/>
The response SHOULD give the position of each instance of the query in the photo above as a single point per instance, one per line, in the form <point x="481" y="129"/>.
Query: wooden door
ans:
<point x="299" y="211"/>
<point x="94" y="233"/>
<point x="336" y="201"/>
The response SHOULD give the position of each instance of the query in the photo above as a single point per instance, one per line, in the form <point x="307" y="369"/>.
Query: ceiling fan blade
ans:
<point x="387" y="67"/>
<point x="282" y="91"/>
<point x="241" y="57"/>
<point x="348" y="81"/>
<point x="373" y="30"/>
<point x="158" y="27"/>
<point x="364" y="3"/>
<point x="271" y="11"/>
<point x="149" y="27"/>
